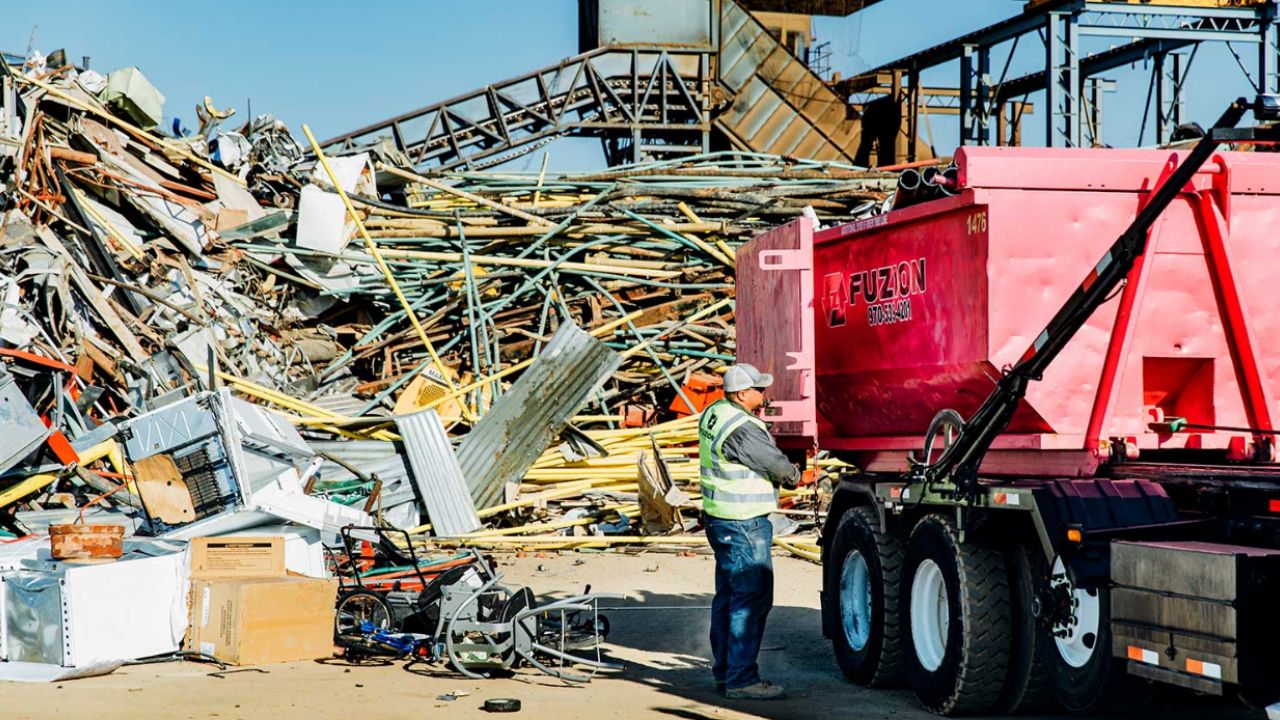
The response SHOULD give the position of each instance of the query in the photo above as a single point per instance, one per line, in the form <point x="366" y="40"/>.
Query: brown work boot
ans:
<point x="763" y="690"/>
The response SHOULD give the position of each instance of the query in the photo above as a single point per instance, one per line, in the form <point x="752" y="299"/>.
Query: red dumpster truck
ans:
<point x="1062" y="442"/>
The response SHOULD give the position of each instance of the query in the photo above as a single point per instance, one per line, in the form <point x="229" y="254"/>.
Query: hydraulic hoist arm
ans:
<point x="970" y="439"/>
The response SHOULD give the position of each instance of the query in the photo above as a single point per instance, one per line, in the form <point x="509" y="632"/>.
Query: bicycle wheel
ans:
<point x="358" y="607"/>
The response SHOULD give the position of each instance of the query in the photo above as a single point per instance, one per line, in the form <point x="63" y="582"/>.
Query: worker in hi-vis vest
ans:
<point x="741" y="468"/>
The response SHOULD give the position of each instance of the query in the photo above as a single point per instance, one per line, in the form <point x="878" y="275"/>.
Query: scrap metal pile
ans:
<point x="471" y="355"/>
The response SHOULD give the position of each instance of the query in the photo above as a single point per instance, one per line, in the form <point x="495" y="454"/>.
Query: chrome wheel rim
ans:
<point x="930" y="615"/>
<point x="855" y="600"/>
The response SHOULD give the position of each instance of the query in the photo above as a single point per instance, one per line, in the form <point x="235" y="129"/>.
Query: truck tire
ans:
<point x="861" y="583"/>
<point x="956" y="601"/>
<point x="1084" y="677"/>
<point x="1026" y="689"/>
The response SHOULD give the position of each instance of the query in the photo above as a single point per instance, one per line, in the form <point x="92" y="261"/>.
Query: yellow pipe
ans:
<point x="798" y="551"/>
<point x="724" y="247"/>
<point x="540" y="497"/>
<point x="706" y="248"/>
<point x="558" y="525"/>
<point x="109" y="449"/>
<point x="30" y="485"/>
<point x="567" y="541"/>
<point x="498" y="260"/>
<point x="327" y="419"/>
<point x="106" y="449"/>
<point x="683" y="208"/>
<point x="458" y="192"/>
<point x="372" y="247"/>
<point x="548" y="542"/>
<point x="546" y="495"/>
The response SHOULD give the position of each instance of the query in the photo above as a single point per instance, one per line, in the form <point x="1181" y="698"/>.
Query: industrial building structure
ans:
<point x="670" y="78"/>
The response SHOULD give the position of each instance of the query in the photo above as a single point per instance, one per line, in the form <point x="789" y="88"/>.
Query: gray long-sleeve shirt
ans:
<point x="753" y="446"/>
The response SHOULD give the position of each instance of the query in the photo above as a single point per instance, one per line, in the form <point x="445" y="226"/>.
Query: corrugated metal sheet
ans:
<point x="774" y="93"/>
<point x="347" y="404"/>
<point x="524" y="421"/>
<point x="373" y="457"/>
<point x="436" y="474"/>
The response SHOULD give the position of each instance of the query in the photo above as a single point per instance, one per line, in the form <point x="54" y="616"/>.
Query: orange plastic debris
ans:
<point x="702" y="389"/>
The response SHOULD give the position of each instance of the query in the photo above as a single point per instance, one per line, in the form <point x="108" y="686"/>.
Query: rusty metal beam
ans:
<point x="835" y="8"/>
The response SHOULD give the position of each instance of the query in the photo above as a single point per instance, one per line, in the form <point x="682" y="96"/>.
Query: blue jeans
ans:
<point x="744" y="596"/>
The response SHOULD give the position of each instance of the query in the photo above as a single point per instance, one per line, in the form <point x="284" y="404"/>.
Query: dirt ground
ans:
<point x="659" y="634"/>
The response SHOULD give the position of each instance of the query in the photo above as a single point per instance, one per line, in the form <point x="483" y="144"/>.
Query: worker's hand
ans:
<point x="808" y="477"/>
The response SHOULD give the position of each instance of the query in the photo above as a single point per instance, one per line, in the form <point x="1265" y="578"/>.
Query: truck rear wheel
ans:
<point x="1075" y="644"/>
<point x="1027" y="688"/>
<point x="861" y="584"/>
<point x="956" y="597"/>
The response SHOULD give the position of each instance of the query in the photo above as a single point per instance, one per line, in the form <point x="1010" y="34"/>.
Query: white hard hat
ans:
<point x="742" y="376"/>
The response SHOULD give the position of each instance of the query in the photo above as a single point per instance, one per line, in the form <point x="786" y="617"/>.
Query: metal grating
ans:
<point x="779" y="105"/>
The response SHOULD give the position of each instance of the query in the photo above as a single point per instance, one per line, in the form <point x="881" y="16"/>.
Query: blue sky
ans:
<point x="338" y="65"/>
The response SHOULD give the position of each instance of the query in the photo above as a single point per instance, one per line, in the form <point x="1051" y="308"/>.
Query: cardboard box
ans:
<point x="230" y="217"/>
<point x="238" y="557"/>
<point x="246" y="609"/>
<point x="249" y="621"/>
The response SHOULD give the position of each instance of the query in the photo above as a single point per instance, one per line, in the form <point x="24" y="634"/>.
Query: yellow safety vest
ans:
<point x="730" y="491"/>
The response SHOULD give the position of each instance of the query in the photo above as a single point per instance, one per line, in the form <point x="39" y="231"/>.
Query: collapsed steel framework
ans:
<point x="1160" y="33"/>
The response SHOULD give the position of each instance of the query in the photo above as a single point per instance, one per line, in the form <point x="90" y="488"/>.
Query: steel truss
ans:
<point x="651" y="101"/>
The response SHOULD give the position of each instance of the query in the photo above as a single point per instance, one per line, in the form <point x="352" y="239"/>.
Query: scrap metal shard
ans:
<point x="23" y="430"/>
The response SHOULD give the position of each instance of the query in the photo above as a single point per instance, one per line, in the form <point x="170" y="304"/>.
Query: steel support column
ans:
<point x="913" y="113"/>
<point x="1094" y="90"/>
<point x="975" y="103"/>
<point x="898" y="93"/>
<point x="1095" y="111"/>
<point x="1168" y="69"/>
<point x="1062" y="58"/>
<point x="1268" y="52"/>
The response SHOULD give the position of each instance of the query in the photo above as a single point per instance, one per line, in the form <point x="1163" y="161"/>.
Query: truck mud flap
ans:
<point x="1100" y="509"/>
